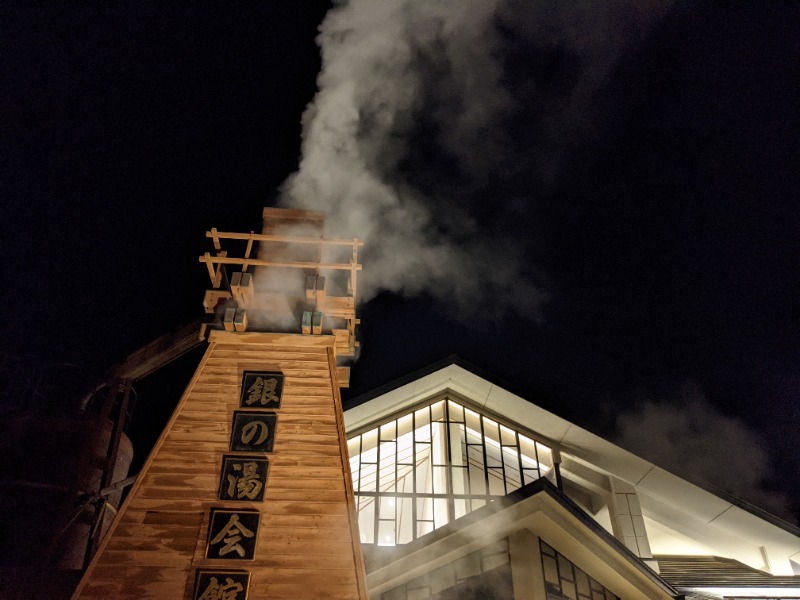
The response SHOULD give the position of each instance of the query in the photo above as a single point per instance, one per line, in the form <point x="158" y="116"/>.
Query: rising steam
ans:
<point x="434" y="125"/>
<point x="685" y="434"/>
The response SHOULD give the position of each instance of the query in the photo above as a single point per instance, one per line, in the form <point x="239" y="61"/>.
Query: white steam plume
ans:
<point x="427" y="114"/>
<point x="688" y="436"/>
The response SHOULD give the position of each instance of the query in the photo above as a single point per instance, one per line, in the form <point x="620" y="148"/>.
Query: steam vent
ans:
<point x="247" y="492"/>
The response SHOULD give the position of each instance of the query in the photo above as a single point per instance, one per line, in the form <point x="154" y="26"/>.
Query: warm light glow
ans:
<point x="436" y="464"/>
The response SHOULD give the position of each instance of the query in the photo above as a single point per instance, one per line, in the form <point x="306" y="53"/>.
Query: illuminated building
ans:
<point x="456" y="488"/>
<point x="464" y="487"/>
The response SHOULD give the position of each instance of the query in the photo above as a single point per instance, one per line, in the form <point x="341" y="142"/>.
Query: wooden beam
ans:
<point x="215" y="237"/>
<point x="154" y="355"/>
<point x="265" y="237"/>
<point x="284" y="339"/>
<point x="291" y="264"/>
<point x="249" y="249"/>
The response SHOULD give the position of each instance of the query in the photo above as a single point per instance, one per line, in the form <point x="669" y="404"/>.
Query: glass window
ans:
<point x="456" y="414"/>
<point x="564" y="580"/>
<point x="436" y="465"/>
<point x="386" y="533"/>
<point x="366" y="519"/>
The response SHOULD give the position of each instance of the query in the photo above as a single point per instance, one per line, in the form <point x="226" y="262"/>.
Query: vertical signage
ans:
<point x="233" y="533"/>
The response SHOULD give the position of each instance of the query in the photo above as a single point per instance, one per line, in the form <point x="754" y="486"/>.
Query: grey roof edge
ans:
<point x="539" y="486"/>
<point x="454" y="359"/>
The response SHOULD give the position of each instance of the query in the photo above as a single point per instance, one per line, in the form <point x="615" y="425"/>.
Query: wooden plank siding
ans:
<point x="308" y="545"/>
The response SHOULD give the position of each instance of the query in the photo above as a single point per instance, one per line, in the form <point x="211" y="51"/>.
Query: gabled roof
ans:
<point x="537" y="506"/>
<point x="682" y="508"/>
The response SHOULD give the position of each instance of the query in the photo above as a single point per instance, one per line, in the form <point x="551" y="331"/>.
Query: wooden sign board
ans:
<point x="253" y="431"/>
<point x="232" y="534"/>
<point x="215" y="584"/>
<point x="261" y="389"/>
<point x="243" y="478"/>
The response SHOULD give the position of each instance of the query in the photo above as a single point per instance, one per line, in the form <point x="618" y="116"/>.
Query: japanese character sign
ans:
<point x="243" y="478"/>
<point x="253" y="431"/>
<point x="232" y="534"/>
<point x="261" y="389"/>
<point x="221" y="585"/>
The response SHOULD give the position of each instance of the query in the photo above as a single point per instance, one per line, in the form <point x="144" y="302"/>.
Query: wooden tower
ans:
<point x="247" y="493"/>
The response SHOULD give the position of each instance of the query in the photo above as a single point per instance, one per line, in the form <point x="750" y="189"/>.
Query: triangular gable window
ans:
<point x="424" y="469"/>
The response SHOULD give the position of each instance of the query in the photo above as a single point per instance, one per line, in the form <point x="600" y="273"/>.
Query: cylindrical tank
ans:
<point x="49" y="463"/>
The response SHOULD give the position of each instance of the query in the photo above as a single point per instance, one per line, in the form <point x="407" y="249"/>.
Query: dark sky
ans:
<point x="660" y="217"/>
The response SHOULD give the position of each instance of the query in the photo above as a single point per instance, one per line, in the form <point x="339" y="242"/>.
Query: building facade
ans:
<point x="465" y="490"/>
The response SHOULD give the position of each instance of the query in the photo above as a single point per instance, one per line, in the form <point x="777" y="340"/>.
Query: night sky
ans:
<point x="639" y="197"/>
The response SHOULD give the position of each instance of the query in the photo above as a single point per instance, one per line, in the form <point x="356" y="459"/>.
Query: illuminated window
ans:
<point x="436" y="464"/>
<point x="565" y="581"/>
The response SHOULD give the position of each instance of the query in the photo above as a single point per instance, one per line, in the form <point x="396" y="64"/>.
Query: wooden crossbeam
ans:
<point x="291" y="264"/>
<point x="264" y="237"/>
